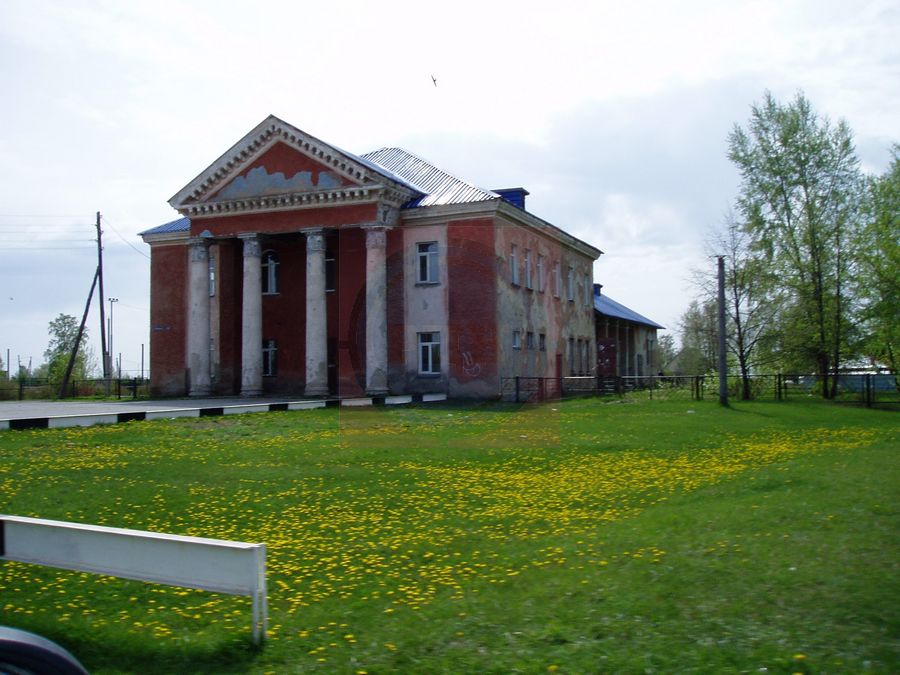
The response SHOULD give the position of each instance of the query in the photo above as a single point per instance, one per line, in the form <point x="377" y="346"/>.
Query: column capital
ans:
<point x="251" y="244"/>
<point x="199" y="249"/>
<point x="375" y="235"/>
<point x="315" y="238"/>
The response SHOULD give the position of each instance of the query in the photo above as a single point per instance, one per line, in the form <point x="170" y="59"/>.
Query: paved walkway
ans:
<point x="56" y="414"/>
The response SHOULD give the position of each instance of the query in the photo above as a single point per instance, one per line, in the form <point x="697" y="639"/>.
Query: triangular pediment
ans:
<point x="277" y="166"/>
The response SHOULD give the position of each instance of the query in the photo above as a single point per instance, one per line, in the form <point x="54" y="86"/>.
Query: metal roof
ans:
<point x="439" y="187"/>
<point x="180" y="225"/>
<point x="609" y="307"/>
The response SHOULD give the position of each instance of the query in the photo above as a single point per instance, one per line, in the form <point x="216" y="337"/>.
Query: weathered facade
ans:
<point x="297" y="268"/>
<point x="626" y="341"/>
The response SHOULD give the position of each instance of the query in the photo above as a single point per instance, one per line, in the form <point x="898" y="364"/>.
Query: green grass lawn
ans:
<point x="578" y="537"/>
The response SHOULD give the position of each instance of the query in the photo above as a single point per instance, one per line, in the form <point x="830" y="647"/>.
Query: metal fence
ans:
<point x="868" y="389"/>
<point x="34" y="388"/>
<point x="536" y="389"/>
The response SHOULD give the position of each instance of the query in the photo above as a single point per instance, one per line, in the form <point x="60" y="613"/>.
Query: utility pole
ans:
<point x="106" y="356"/>
<point x="74" y="354"/>
<point x="723" y="361"/>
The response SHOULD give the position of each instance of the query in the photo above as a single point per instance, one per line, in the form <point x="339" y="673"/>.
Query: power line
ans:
<point x="136" y="250"/>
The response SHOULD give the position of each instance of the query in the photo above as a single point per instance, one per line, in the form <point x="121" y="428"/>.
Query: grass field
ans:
<point x="577" y="537"/>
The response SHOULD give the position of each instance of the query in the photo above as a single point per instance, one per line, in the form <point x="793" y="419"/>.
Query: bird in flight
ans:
<point x="434" y="79"/>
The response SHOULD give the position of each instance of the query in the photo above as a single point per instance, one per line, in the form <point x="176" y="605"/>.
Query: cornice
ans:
<point x="427" y="215"/>
<point x="166" y="238"/>
<point x="344" y="196"/>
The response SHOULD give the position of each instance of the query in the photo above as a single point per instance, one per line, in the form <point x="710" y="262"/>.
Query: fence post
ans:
<point x="21" y="388"/>
<point x="867" y="391"/>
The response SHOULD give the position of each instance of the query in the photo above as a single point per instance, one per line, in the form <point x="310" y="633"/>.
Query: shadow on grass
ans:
<point x="106" y="652"/>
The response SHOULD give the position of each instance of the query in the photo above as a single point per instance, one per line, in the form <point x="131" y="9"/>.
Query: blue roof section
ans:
<point x="609" y="307"/>
<point x="437" y="186"/>
<point x="180" y="225"/>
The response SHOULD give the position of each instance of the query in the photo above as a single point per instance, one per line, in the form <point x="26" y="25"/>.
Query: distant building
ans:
<point x="299" y="268"/>
<point x="626" y="340"/>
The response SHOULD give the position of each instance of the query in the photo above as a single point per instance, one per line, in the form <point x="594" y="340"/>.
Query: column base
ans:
<point x="315" y="390"/>
<point x="250" y="393"/>
<point x="200" y="392"/>
<point x="377" y="392"/>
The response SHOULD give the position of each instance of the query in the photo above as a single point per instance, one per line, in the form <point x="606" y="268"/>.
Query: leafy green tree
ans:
<point x="63" y="331"/>
<point x="753" y="298"/>
<point x="800" y="197"/>
<point x="664" y="352"/>
<point x="878" y="276"/>
<point x="699" y="339"/>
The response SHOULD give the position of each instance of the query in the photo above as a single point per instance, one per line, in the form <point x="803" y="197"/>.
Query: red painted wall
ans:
<point x="229" y="289"/>
<point x="168" y="329"/>
<point x="472" y="274"/>
<point x="395" y="305"/>
<point x="349" y="303"/>
<point x="284" y="314"/>
<point x="283" y="158"/>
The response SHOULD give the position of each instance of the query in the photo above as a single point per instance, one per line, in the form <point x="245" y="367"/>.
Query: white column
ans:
<point x="251" y="319"/>
<point x="198" y="319"/>
<point x="316" y="324"/>
<point x="376" y="312"/>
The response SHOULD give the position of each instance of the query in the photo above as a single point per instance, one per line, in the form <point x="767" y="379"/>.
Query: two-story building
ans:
<point x="299" y="268"/>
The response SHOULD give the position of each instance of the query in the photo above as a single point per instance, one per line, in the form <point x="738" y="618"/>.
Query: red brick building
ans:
<point x="300" y="269"/>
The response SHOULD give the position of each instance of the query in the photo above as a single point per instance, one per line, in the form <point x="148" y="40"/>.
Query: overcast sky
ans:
<point x="614" y="115"/>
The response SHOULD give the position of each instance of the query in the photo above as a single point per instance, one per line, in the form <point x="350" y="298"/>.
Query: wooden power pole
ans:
<point x="106" y="357"/>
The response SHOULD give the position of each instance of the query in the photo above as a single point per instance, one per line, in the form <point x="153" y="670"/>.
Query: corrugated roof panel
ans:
<point x="180" y="225"/>
<point x="440" y="187"/>
<point x="606" y="305"/>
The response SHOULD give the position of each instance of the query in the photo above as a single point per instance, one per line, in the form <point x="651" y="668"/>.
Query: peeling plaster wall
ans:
<point x="425" y="308"/>
<point x="537" y="310"/>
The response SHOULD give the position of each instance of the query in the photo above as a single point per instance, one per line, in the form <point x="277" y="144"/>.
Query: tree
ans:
<point x="878" y="283"/>
<point x="63" y="331"/>
<point x="799" y="198"/>
<point x="664" y="352"/>
<point x="699" y="342"/>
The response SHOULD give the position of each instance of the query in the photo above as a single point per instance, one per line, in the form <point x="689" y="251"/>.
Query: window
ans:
<point x="269" y="351"/>
<point x="542" y="342"/>
<point x="429" y="353"/>
<point x="330" y="272"/>
<point x="427" y="263"/>
<point x="571" y="356"/>
<point x="557" y="280"/>
<point x="529" y="340"/>
<point x="517" y="339"/>
<point x="212" y="276"/>
<point x="585" y="351"/>
<point x="269" y="272"/>
<point x="514" y="264"/>
<point x="540" y="274"/>
<point x="570" y="285"/>
<point x="528" y="281"/>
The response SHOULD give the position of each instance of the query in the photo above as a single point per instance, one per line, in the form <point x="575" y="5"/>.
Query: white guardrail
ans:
<point x="217" y="565"/>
